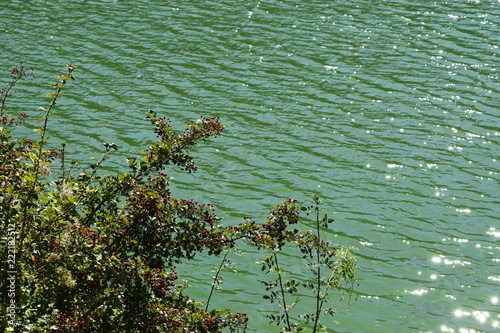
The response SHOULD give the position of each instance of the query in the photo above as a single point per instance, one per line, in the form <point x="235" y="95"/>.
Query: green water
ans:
<point x="388" y="110"/>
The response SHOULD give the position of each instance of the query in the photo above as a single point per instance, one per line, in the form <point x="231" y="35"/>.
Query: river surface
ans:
<point x="387" y="109"/>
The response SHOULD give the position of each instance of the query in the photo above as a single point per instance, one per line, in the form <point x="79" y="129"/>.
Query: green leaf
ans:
<point x="29" y="178"/>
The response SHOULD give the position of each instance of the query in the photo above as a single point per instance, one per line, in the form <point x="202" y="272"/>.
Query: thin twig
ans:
<point x="216" y="279"/>
<point x="280" y="280"/>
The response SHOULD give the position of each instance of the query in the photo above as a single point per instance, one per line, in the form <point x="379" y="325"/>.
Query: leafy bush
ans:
<point x="87" y="252"/>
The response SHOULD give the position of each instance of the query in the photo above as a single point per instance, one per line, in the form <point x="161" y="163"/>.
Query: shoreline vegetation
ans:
<point x="85" y="251"/>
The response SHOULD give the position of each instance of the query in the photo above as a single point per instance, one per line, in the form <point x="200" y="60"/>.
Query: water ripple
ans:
<point x="387" y="110"/>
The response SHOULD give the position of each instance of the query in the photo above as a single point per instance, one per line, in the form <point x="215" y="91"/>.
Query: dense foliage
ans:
<point x="88" y="252"/>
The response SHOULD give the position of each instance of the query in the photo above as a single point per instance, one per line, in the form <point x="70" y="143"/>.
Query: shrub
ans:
<point x="88" y="252"/>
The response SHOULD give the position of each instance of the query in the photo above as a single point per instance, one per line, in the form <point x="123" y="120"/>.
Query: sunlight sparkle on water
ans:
<point x="480" y="316"/>
<point x="418" y="292"/>
<point x="436" y="259"/>
<point x="493" y="232"/>
<point x="442" y="259"/>
<point x="391" y="166"/>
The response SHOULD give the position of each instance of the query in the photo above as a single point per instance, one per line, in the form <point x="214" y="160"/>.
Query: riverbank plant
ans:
<point x="85" y="251"/>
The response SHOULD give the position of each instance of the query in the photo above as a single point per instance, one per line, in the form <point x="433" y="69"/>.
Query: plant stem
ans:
<point x="59" y="87"/>
<point x="341" y="263"/>
<point x="16" y="74"/>
<point x="216" y="277"/>
<point x="280" y="280"/>
<point x="318" y="272"/>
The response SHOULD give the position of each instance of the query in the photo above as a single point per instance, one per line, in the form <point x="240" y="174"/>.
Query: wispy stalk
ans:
<point x="215" y="283"/>
<point x="37" y="161"/>
<point x="317" y="203"/>
<point x="282" y="289"/>
<point x="16" y="74"/>
<point x="344" y="261"/>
